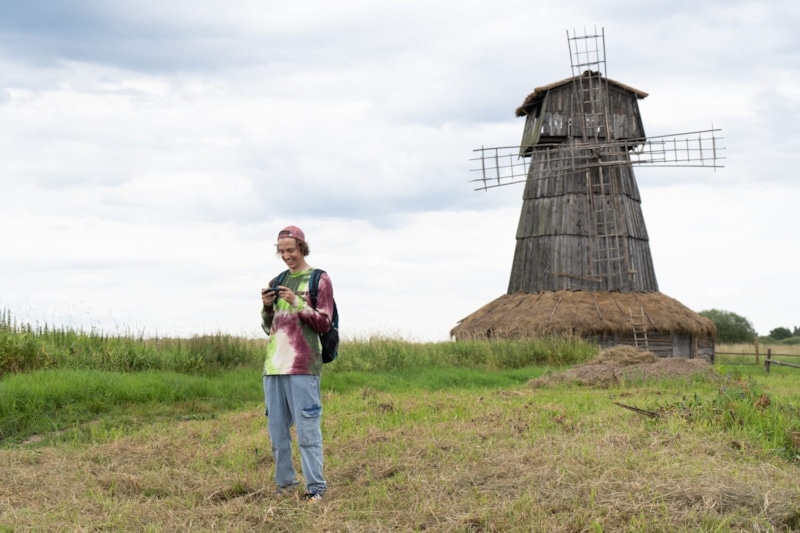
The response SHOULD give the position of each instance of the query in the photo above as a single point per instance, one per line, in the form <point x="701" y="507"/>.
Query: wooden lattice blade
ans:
<point x="503" y="166"/>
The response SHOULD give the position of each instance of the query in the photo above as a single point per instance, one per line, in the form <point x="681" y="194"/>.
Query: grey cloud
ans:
<point x="157" y="37"/>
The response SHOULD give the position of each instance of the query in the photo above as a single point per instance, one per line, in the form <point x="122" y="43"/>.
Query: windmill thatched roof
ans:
<point x="583" y="313"/>
<point x="539" y="93"/>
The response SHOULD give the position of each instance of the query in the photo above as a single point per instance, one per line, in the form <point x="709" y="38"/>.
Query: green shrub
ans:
<point x="780" y="333"/>
<point x="731" y="328"/>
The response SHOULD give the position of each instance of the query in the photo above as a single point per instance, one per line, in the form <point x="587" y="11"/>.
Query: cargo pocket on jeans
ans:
<point x="310" y="431"/>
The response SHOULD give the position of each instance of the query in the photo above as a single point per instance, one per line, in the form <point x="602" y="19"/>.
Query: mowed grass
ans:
<point x="417" y="438"/>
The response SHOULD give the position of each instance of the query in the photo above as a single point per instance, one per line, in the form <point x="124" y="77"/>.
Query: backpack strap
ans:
<point x="313" y="289"/>
<point x="279" y="279"/>
<point x="313" y="286"/>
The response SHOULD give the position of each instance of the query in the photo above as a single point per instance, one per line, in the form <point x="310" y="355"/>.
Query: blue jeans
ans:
<point x="295" y="399"/>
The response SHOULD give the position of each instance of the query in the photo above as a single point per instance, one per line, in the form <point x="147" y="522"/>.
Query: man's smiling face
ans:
<point x="291" y="254"/>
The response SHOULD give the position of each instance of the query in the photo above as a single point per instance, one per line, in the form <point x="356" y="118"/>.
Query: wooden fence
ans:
<point x="768" y="361"/>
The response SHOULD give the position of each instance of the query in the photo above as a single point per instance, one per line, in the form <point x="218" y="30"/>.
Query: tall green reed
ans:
<point x="26" y="348"/>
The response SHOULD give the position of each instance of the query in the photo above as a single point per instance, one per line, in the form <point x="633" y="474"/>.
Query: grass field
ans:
<point x="793" y="350"/>
<point x="439" y="437"/>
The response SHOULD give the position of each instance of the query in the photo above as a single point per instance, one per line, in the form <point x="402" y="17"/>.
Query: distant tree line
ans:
<point x="733" y="328"/>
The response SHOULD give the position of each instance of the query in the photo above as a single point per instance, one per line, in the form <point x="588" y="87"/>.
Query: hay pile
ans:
<point x="625" y="363"/>
<point x="621" y="356"/>
<point x="582" y="313"/>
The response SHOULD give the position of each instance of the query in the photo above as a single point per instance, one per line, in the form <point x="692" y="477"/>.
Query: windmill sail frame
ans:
<point x="503" y="165"/>
<point x="581" y="226"/>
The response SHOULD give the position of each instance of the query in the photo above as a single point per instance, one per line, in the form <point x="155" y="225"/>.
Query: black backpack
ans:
<point x="329" y="339"/>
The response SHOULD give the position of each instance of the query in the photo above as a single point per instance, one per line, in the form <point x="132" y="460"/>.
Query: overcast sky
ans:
<point x="150" y="151"/>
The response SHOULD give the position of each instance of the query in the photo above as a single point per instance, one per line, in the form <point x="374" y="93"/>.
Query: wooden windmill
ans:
<point x="582" y="243"/>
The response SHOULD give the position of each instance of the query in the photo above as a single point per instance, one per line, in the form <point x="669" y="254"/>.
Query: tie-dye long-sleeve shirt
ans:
<point x="294" y="346"/>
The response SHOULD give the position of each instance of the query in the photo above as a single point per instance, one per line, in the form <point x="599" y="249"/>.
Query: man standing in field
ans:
<point x="293" y="364"/>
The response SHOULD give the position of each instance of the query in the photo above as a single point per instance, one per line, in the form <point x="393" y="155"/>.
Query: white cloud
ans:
<point x="146" y="165"/>
<point x="727" y="248"/>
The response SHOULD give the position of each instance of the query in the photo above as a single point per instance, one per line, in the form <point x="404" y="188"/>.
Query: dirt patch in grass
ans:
<point x="619" y="364"/>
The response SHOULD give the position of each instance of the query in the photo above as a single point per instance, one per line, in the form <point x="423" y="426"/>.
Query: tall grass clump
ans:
<point x="25" y="348"/>
<point x="519" y="353"/>
<point x="21" y="351"/>
<point x="377" y="354"/>
<point x="741" y="407"/>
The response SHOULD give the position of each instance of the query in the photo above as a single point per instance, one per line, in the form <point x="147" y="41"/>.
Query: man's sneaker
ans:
<point x="312" y="497"/>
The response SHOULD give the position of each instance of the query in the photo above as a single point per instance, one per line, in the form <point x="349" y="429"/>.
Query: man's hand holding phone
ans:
<point x="269" y="295"/>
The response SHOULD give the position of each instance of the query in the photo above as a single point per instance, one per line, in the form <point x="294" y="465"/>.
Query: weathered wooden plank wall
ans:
<point x="555" y="235"/>
<point x="561" y="117"/>
<point x="567" y="214"/>
<point x="660" y="344"/>
<point x="556" y="262"/>
<point x="561" y="242"/>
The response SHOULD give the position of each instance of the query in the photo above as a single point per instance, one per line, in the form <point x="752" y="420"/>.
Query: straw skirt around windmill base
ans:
<point x="650" y="320"/>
